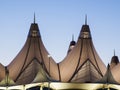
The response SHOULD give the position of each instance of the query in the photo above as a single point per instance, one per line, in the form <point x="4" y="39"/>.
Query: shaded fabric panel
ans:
<point x="29" y="73"/>
<point x="87" y="73"/>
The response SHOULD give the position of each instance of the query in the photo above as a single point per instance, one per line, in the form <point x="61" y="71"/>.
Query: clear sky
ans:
<point x="58" y="20"/>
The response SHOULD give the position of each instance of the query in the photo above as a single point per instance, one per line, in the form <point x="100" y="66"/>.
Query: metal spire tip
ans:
<point x="34" y="17"/>
<point x="86" y="19"/>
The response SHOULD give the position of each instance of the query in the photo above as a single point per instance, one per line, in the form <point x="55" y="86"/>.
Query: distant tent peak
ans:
<point x="85" y="30"/>
<point x="72" y="44"/>
<point x="114" y="61"/>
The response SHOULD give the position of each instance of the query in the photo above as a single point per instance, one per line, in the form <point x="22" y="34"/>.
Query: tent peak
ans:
<point x="72" y="44"/>
<point x="85" y="32"/>
<point x="34" y="30"/>
<point x="108" y="66"/>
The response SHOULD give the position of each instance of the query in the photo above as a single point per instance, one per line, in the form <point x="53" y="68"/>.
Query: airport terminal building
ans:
<point x="82" y="69"/>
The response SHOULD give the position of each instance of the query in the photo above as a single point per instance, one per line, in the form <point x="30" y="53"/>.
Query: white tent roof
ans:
<point x="83" y="63"/>
<point x="24" y="63"/>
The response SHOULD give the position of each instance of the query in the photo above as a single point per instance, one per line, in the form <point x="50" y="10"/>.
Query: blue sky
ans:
<point x="58" y="20"/>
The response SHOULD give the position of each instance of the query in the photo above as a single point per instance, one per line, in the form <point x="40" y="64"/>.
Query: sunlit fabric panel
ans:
<point x="2" y="72"/>
<point x="116" y="72"/>
<point x="18" y="62"/>
<point x="88" y="52"/>
<point x="47" y="61"/>
<point x="70" y="61"/>
<point x="28" y="74"/>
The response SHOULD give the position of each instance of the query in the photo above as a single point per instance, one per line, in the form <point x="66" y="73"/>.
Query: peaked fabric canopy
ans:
<point x="33" y="64"/>
<point x="72" y="45"/>
<point x="83" y="63"/>
<point x="108" y="77"/>
<point x="34" y="67"/>
<point x="24" y="66"/>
